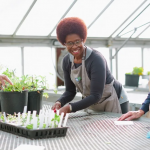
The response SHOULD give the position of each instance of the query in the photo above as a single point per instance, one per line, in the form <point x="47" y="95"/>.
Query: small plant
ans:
<point x="148" y="73"/>
<point x="14" y="119"/>
<point x="18" y="83"/>
<point x="25" y="82"/>
<point x="129" y="73"/>
<point x="136" y="71"/>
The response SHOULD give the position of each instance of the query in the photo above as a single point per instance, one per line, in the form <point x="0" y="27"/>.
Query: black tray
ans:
<point x="33" y="134"/>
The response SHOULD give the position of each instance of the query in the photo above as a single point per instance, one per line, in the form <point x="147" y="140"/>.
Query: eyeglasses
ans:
<point x="71" y="44"/>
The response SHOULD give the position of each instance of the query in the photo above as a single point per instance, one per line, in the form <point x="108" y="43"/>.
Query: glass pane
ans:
<point x="84" y="10"/>
<point x="43" y="17"/>
<point x="115" y="14"/>
<point x="127" y="59"/>
<point x="146" y="60"/>
<point x="11" y="13"/>
<point x="141" y="20"/>
<point x="105" y="53"/>
<point x="38" y="61"/>
<point x="145" y="34"/>
<point x="10" y="57"/>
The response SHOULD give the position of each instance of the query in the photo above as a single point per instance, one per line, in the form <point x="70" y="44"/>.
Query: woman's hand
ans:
<point x="56" y="106"/>
<point x="5" y="78"/>
<point x="65" y="109"/>
<point x="131" y="115"/>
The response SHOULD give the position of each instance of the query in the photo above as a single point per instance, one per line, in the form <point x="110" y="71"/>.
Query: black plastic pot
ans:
<point x="35" y="101"/>
<point x="13" y="101"/>
<point x="132" y="80"/>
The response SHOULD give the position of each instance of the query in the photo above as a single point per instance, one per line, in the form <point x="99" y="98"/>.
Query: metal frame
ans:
<point x="116" y="60"/>
<point x="110" y="58"/>
<point x="143" y="31"/>
<point x="63" y="16"/>
<point x="100" y="13"/>
<point x="20" y="41"/>
<point x="133" y="20"/>
<point x="128" y="17"/>
<point x="22" y="59"/>
<point x="142" y="57"/>
<point x="27" y="13"/>
<point x="134" y="29"/>
<point x="124" y="43"/>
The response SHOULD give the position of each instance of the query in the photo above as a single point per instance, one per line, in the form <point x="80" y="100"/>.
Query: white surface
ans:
<point x="123" y="122"/>
<point x="29" y="147"/>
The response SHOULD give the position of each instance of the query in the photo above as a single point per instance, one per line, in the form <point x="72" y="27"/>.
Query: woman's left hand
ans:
<point x="65" y="109"/>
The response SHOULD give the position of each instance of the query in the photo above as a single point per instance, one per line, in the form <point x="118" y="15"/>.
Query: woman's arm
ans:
<point x="70" y="90"/>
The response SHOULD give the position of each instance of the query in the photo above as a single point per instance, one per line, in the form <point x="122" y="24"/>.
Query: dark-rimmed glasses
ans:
<point x="71" y="44"/>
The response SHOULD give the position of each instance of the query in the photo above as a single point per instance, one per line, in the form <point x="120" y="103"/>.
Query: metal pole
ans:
<point x="24" y="17"/>
<point x="100" y="13"/>
<point x="110" y="57"/>
<point x="116" y="58"/>
<point x="22" y="59"/>
<point x="142" y="57"/>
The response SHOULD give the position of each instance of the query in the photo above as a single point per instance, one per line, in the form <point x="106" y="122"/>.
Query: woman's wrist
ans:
<point x="141" y="112"/>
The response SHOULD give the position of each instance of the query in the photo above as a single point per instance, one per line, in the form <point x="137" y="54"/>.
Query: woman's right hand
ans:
<point x="56" y="106"/>
<point x="131" y="115"/>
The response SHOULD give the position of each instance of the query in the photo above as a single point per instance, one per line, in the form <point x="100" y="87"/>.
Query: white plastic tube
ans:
<point x="65" y="121"/>
<point x="61" y="119"/>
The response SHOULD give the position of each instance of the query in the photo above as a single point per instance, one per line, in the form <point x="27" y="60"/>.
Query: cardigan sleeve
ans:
<point x="145" y="104"/>
<point x="70" y="89"/>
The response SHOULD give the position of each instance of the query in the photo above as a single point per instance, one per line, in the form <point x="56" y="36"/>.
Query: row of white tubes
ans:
<point x="46" y="116"/>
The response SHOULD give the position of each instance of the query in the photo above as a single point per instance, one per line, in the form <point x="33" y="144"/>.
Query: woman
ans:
<point x="86" y="69"/>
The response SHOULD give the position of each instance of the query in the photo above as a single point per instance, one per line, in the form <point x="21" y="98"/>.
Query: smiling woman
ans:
<point x="86" y="69"/>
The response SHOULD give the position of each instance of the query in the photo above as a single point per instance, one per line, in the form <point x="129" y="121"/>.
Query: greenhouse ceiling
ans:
<point x="109" y="22"/>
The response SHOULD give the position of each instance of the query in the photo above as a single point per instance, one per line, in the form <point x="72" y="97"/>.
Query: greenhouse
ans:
<point x="30" y="49"/>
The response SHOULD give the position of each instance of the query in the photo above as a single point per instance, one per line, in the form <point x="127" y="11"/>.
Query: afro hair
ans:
<point x="71" y="25"/>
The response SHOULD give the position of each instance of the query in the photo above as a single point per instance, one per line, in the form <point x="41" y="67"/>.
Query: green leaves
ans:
<point x="56" y="118"/>
<point x="148" y="73"/>
<point x="137" y="70"/>
<point x="29" y="126"/>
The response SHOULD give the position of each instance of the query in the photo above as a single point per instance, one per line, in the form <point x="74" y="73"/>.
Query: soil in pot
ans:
<point x="13" y="101"/>
<point x="35" y="101"/>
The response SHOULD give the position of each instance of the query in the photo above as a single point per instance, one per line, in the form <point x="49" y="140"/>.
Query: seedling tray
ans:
<point x="33" y="133"/>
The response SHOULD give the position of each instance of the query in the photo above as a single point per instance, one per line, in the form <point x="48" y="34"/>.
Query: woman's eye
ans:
<point x="70" y="43"/>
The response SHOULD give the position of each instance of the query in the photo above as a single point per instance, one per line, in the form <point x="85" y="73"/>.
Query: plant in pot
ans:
<point x="36" y="86"/>
<point x="132" y="78"/>
<point x="14" y="97"/>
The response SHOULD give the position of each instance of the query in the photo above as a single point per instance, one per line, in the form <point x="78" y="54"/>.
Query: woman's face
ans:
<point x="74" y="45"/>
